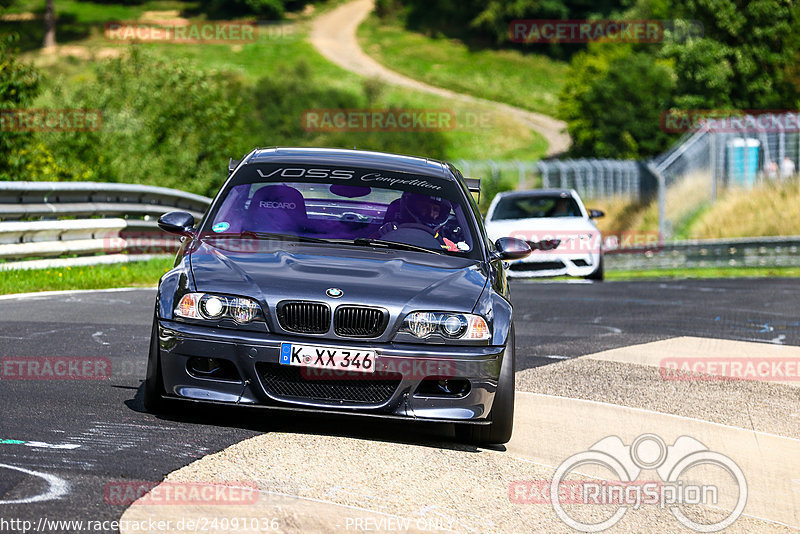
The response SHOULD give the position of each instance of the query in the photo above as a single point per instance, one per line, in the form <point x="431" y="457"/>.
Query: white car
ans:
<point x="558" y="227"/>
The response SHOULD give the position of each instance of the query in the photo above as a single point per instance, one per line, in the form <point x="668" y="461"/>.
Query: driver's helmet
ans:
<point x="432" y="212"/>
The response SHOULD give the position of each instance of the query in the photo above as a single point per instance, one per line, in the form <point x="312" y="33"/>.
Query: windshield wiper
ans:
<point x="284" y="237"/>
<point x="360" y="242"/>
<point x="365" y="242"/>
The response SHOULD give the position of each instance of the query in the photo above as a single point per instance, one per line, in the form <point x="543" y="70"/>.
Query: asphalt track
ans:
<point x="68" y="440"/>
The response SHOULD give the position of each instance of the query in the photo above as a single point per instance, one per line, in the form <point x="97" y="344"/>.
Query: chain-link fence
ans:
<point x="595" y="178"/>
<point x="729" y="151"/>
<point x="733" y="151"/>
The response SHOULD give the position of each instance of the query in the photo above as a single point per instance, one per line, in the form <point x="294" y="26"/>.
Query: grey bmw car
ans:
<point x="323" y="280"/>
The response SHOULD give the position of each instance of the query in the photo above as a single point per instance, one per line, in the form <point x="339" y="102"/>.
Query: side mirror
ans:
<point x="596" y="214"/>
<point x="177" y="222"/>
<point x="511" y="248"/>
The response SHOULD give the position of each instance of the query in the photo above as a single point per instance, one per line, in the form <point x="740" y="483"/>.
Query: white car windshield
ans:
<point x="535" y="206"/>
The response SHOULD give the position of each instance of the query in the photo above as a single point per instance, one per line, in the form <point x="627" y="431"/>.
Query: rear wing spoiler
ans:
<point x="474" y="186"/>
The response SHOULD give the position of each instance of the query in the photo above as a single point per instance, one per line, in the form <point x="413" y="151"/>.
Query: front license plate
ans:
<point x="334" y="358"/>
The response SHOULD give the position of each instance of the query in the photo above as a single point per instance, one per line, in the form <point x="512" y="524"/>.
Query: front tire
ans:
<point x="153" y="395"/>
<point x="502" y="414"/>
<point x="599" y="274"/>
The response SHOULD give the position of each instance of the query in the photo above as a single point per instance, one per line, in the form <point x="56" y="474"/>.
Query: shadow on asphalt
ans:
<point x="263" y="420"/>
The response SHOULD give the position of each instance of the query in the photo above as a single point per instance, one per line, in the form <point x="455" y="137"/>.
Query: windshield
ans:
<point x="534" y="207"/>
<point x="359" y="207"/>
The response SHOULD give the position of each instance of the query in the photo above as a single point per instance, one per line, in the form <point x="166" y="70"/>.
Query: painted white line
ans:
<point x="47" y="294"/>
<point x="39" y="444"/>
<point x="58" y="487"/>
<point x="96" y="337"/>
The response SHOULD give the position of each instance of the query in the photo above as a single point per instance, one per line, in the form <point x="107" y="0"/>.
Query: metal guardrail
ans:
<point x="122" y="226"/>
<point x="743" y="252"/>
<point x="132" y="234"/>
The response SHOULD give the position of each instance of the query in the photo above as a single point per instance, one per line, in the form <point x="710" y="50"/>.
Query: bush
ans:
<point x="281" y="100"/>
<point x="166" y="124"/>
<point x="174" y="125"/>
<point x="613" y="101"/>
<point x="19" y="85"/>
<point x="263" y="9"/>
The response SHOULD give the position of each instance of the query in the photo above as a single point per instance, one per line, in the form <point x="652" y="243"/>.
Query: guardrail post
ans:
<point x="521" y="171"/>
<point x="662" y="198"/>
<point x="713" y="148"/>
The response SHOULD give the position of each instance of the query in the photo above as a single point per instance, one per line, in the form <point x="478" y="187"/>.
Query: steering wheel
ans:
<point x="352" y="217"/>
<point x="389" y="227"/>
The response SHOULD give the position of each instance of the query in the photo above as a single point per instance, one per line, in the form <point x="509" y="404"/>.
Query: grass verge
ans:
<point x="278" y="50"/>
<point x="706" y="272"/>
<point x="134" y="274"/>
<point x="529" y="81"/>
<point x="147" y="273"/>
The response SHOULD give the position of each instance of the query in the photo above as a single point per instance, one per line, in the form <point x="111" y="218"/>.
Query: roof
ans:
<point x="355" y="158"/>
<point x="537" y="192"/>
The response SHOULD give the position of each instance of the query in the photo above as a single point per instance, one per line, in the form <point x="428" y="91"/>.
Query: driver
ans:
<point x="430" y="212"/>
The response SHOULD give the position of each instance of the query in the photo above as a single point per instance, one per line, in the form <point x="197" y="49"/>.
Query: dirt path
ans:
<point x="334" y="35"/>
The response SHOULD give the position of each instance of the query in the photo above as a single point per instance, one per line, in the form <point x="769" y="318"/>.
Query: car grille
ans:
<point x="292" y="382"/>
<point x="537" y="266"/>
<point x="357" y="321"/>
<point x="304" y="317"/>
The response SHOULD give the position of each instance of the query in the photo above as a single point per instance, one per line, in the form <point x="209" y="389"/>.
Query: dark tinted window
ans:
<point x="531" y="207"/>
<point x="346" y="204"/>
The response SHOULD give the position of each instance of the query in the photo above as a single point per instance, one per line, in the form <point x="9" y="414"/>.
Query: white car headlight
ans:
<point x="214" y="307"/>
<point x="460" y="326"/>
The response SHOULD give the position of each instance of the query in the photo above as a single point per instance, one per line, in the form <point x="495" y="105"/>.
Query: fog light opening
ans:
<point x="443" y="387"/>
<point x="213" y="368"/>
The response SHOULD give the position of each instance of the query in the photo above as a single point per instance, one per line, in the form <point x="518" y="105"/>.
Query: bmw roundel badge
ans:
<point x="334" y="292"/>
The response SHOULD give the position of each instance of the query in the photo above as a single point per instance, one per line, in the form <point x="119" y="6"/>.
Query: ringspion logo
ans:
<point x="681" y="487"/>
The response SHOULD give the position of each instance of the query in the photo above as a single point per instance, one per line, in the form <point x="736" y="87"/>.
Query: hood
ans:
<point x="399" y="281"/>
<point x="539" y="228"/>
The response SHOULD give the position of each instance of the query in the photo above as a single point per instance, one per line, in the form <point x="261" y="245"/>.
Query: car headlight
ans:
<point x="215" y="307"/>
<point x="455" y="326"/>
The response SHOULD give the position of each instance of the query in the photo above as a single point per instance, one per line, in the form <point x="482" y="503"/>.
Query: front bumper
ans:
<point x="404" y="367"/>
<point x="547" y="265"/>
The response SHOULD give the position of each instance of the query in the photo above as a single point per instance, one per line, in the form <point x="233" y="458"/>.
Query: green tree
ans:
<point x="744" y="59"/>
<point x="613" y="101"/>
<point x="168" y="124"/>
<point x="19" y="84"/>
<point x="489" y="20"/>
